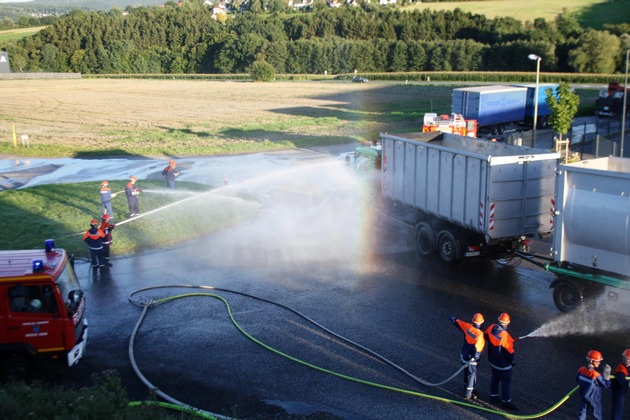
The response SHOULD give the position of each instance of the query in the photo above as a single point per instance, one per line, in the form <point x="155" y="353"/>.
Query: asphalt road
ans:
<point x="319" y="248"/>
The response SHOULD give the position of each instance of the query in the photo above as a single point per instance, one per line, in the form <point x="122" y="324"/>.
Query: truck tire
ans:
<point x="567" y="296"/>
<point x="448" y="248"/>
<point x="425" y="240"/>
<point x="16" y="367"/>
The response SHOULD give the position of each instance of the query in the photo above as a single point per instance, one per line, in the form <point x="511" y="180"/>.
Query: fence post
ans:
<point x="597" y="146"/>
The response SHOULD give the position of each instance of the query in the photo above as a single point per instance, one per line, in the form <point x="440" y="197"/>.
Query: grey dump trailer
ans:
<point x="591" y="238"/>
<point x="465" y="197"/>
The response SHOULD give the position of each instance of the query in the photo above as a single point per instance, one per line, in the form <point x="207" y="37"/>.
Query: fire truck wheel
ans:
<point x="449" y="248"/>
<point x="567" y="296"/>
<point x="425" y="240"/>
<point x="17" y="366"/>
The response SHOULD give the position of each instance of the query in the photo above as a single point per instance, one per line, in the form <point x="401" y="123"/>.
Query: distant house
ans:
<point x="219" y="9"/>
<point x="383" y="2"/>
<point x="300" y="4"/>
<point x="333" y="3"/>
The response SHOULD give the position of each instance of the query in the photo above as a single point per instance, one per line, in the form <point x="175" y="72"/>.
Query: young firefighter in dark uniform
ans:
<point x="474" y="343"/>
<point x="107" y="226"/>
<point x="132" y="191"/>
<point x="591" y="384"/>
<point x="501" y="358"/>
<point x="170" y="173"/>
<point x="620" y="385"/>
<point x="93" y="238"/>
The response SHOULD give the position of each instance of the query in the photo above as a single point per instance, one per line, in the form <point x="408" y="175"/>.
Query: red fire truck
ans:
<point x="454" y="124"/>
<point x="42" y="311"/>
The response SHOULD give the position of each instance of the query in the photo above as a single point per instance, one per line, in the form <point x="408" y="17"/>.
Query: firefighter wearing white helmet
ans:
<point x="620" y="385"/>
<point x="106" y="200"/>
<point x="132" y="191"/>
<point x="501" y="358"/>
<point x="170" y="173"/>
<point x="474" y="343"/>
<point x="591" y="384"/>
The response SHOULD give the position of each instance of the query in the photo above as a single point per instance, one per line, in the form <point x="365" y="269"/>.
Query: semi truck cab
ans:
<point x="42" y="311"/>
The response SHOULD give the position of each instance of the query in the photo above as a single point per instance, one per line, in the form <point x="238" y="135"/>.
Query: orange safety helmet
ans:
<point x="133" y="178"/>
<point x="106" y="217"/>
<point x="93" y="222"/>
<point x="626" y="354"/>
<point x="478" y="318"/>
<point x="504" y="318"/>
<point x="172" y="163"/>
<point x="594" y="356"/>
<point x="104" y="184"/>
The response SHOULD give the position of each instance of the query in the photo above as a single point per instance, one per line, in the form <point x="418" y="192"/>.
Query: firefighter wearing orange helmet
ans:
<point x="474" y="343"/>
<point x="170" y="173"/>
<point x="132" y="191"/>
<point x="106" y="200"/>
<point x="620" y="385"/>
<point x="591" y="384"/>
<point x="501" y="358"/>
<point x="93" y="238"/>
<point x="107" y="225"/>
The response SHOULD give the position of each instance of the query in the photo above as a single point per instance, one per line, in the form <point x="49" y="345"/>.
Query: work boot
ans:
<point x="475" y="394"/>
<point x="508" y="405"/>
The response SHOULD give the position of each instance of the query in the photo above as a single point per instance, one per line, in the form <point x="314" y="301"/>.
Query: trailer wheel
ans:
<point x="425" y="240"/>
<point x="567" y="296"/>
<point x="17" y="367"/>
<point x="448" y="248"/>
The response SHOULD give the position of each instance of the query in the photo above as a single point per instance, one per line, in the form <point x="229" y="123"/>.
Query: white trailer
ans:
<point x="591" y="238"/>
<point x="466" y="197"/>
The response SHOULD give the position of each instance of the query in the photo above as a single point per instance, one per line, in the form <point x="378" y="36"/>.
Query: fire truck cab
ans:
<point x="42" y="311"/>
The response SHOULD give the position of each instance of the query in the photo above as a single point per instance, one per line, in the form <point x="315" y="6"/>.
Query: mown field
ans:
<point x="79" y="118"/>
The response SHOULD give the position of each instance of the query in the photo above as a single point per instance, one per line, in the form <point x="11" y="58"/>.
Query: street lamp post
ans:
<point x="536" y="58"/>
<point x="623" y="108"/>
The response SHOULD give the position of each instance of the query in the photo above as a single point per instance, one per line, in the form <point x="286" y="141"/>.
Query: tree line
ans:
<point x="368" y="38"/>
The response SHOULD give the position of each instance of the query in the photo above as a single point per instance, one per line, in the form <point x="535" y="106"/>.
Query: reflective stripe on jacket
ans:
<point x="500" y="347"/>
<point x="474" y="341"/>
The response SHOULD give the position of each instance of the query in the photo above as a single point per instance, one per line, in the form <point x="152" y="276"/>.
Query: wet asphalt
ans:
<point x="318" y="248"/>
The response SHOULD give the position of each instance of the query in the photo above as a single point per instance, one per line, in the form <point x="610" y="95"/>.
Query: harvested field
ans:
<point x="192" y="117"/>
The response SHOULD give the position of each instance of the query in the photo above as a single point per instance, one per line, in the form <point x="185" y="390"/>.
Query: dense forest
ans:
<point x="186" y="39"/>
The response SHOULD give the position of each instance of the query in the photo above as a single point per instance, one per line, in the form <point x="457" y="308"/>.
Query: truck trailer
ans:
<point x="42" y="311"/>
<point x="495" y="107"/>
<point x="465" y="197"/>
<point x="591" y="238"/>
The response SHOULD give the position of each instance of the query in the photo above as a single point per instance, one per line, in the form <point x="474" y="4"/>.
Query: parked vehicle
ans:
<point x="454" y="124"/>
<point x="468" y="198"/>
<point x="591" y="238"/>
<point x="42" y="311"/>
<point x="359" y="79"/>
<point x="465" y="197"/>
<point x="496" y="107"/>
<point x="610" y="101"/>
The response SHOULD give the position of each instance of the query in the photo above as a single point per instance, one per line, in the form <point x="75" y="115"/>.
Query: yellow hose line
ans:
<point x="362" y="381"/>
<point x="172" y="407"/>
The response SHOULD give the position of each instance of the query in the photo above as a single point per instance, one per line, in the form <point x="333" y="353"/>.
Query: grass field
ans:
<point x="591" y="13"/>
<point x="15" y="34"/>
<point x="90" y="117"/>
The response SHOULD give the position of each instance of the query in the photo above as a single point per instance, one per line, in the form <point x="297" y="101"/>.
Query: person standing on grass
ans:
<point x="170" y="173"/>
<point x="106" y="200"/>
<point x="132" y="191"/>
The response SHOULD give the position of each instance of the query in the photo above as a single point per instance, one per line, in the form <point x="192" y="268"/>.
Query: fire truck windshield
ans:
<point x="68" y="283"/>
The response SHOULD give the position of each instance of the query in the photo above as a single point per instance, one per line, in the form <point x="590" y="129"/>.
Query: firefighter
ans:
<point x="132" y="191"/>
<point x="474" y="343"/>
<point x="501" y="358"/>
<point x="170" y="173"/>
<point x="591" y="384"/>
<point x="107" y="226"/>
<point x="620" y="385"/>
<point x="94" y="238"/>
<point x="106" y="200"/>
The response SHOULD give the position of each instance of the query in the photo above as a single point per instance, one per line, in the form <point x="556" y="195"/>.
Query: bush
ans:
<point x="261" y="71"/>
